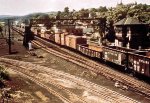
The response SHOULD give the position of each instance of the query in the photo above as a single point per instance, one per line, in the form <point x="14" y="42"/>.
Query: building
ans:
<point x="131" y="33"/>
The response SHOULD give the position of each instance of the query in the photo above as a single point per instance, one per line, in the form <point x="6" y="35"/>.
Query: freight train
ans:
<point x="136" y="61"/>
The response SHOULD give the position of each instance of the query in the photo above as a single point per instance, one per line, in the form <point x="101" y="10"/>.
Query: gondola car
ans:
<point x="136" y="61"/>
<point x="114" y="55"/>
<point x="117" y="55"/>
<point x="139" y="64"/>
<point x="89" y="52"/>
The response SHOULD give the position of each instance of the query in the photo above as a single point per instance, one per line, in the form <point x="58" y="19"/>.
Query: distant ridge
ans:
<point x="28" y="16"/>
<point x="4" y="16"/>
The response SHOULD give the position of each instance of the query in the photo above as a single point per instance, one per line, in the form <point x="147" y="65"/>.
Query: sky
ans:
<point x="24" y="7"/>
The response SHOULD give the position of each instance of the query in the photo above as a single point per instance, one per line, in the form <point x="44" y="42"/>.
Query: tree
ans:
<point x="66" y="13"/>
<point x="84" y="13"/>
<point x="93" y="12"/>
<point x="102" y="26"/>
<point x="58" y="16"/>
<point x="120" y="12"/>
<point x="102" y="9"/>
<point x="46" y="20"/>
<point x="44" y="16"/>
<point x="110" y="32"/>
<point x="66" y="10"/>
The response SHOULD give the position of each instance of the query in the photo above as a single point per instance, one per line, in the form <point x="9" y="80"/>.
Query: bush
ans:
<point x="4" y="74"/>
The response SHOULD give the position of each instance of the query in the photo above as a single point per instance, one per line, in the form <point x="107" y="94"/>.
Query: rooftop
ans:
<point x="129" y="21"/>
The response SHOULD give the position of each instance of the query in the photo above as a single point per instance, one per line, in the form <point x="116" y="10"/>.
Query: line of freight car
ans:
<point x="64" y="38"/>
<point x="74" y="42"/>
<point x="81" y="48"/>
<point x="118" y="56"/>
<point x="84" y="49"/>
<point x="136" y="63"/>
<point x="130" y="59"/>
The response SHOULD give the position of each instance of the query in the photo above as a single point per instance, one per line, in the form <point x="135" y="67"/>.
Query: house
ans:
<point x="131" y="33"/>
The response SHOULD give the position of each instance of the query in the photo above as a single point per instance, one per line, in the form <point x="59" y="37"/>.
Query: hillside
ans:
<point x="4" y="16"/>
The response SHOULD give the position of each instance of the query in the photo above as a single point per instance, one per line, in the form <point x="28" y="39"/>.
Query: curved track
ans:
<point x="37" y="81"/>
<point x="40" y="81"/>
<point x="28" y="70"/>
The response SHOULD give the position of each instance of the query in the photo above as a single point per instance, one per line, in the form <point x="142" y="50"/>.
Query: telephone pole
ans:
<point x="9" y="37"/>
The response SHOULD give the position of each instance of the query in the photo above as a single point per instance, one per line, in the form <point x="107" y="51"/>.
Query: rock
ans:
<point x="85" y="94"/>
<point x="26" y="56"/>
<point x="117" y="84"/>
<point x="84" y="73"/>
<point x="94" y="75"/>
<point x="40" y="56"/>
<point x="124" y="87"/>
<point x="32" y="53"/>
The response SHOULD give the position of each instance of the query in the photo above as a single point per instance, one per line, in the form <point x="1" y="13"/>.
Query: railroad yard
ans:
<point x="75" y="51"/>
<point x="44" y="75"/>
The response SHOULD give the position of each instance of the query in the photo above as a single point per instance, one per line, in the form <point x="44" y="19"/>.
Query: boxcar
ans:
<point x="63" y="36"/>
<point x="58" y="38"/>
<point x="72" y="41"/>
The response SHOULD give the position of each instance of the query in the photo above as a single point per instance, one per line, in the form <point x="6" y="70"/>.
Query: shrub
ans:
<point x="4" y="74"/>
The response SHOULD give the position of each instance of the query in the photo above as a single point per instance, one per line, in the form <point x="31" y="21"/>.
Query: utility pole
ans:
<point x="9" y="37"/>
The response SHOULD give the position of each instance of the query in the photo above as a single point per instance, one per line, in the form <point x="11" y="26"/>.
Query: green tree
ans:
<point x="92" y="12"/>
<point x="44" y="16"/>
<point x="120" y="12"/>
<point x="102" y="26"/>
<point x="46" y="20"/>
<point x="66" y="10"/>
<point x="84" y="13"/>
<point x="58" y="16"/>
<point x="110" y="32"/>
<point x="102" y="9"/>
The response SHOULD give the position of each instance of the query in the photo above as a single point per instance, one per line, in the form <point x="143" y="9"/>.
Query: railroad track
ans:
<point x="25" y="69"/>
<point x="88" y="86"/>
<point x="39" y="80"/>
<point x="100" y="69"/>
<point x="137" y="85"/>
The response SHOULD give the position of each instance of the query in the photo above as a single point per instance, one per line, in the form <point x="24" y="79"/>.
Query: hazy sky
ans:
<point x="23" y="7"/>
